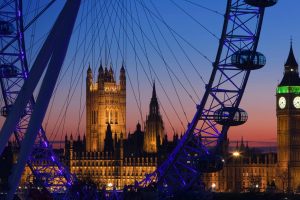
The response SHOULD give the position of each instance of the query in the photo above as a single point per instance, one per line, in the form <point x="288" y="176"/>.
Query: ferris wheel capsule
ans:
<point x="261" y="3"/>
<point x="246" y="60"/>
<point x="8" y="71"/>
<point x="223" y="116"/>
<point x="6" y="28"/>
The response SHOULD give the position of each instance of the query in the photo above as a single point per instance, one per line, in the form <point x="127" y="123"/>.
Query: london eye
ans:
<point x="29" y="87"/>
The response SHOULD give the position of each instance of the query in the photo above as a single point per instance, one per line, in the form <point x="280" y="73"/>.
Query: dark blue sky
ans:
<point x="280" y="23"/>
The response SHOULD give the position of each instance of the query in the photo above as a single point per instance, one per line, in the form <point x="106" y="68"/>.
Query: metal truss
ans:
<point x="14" y="71"/>
<point x="199" y="149"/>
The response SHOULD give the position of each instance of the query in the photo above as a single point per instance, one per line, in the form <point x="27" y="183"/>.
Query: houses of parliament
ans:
<point x="110" y="157"/>
<point x="107" y="154"/>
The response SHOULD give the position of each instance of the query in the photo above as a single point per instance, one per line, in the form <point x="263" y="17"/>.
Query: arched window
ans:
<point x="110" y="117"/>
<point x="106" y="117"/>
<point x="116" y="117"/>
<point x="94" y="117"/>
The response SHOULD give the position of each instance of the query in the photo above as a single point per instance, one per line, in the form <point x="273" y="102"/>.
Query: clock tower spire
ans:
<point x="288" y="122"/>
<point x="291" y="74"/>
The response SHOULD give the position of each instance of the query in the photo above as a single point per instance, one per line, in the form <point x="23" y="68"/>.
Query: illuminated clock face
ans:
<point x="282" y="102"/>
<point x="296" y="102"/>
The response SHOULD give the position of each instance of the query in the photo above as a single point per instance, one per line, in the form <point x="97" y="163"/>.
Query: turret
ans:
<point x="105" y="74"/>
<point x="154" y="109"/>
<point x="66" y="143"/>
<point x="100" y="76"/>
<point x="154" y="131"/>
<point x="89" y="77"/>
<point x="138" y="127"/>
<point x="175" y="138"/>
<point x="71" y="147"/>
<point x="122" y="78"/>
<point x="111" y="74"/>
<point x="84" y="142"/>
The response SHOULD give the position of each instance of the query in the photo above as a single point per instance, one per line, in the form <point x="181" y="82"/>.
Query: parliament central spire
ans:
<point x="154" y="131"/>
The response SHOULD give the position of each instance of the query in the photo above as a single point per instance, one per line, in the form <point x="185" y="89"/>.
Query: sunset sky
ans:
<point x="281" y="22"/>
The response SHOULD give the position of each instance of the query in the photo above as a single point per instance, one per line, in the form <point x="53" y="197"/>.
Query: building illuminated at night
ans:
<point x="248" y="170"/>
<point x="112" y="158"/>
<point x="108" y="155"/>
<point x="105" y="104"/>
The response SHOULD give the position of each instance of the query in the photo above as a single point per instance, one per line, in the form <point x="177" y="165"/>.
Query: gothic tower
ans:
<point x="288" y="122"/>
<point x="154" y="131"/>
<point x="105" y="104"/>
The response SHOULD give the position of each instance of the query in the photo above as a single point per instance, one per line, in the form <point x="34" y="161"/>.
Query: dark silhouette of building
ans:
<point x="6" y="165"/>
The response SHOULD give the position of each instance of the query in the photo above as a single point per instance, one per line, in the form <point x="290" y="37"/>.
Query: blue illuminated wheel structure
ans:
<point x="44" y="165"/>
<point x="201" y="147"/>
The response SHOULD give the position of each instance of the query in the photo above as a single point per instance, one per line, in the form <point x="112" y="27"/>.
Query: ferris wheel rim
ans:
<point x="43" y="148"/>
<point x="160" y="173"/>
<point x="212" y="77"/>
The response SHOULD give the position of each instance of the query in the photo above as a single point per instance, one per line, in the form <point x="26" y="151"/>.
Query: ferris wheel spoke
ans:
<point x="215" y="113"/>
<point x="223" y="94"/>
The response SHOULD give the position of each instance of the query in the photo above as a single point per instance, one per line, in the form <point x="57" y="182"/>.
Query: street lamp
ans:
<point x="109" y="184"/>
<point x="235" y="154"/>
<point x="213" y="187"/>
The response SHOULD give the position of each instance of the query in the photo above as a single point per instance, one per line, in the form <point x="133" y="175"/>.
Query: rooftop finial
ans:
<point x="154" y="90"/>
<point x="291" y="74"/>
<point x="100" y="67"/>
<point x="291" y="61"/>
<point x="89" y="71"/>
<point x="122" y="67"/>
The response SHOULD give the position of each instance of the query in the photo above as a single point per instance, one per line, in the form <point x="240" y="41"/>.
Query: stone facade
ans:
<point x="258" y="171"/>
<point x="251" y="170"/>
<point x="154" y="131"/>
<point x="105" y="104"/>
<point x="105" y="154"/>
<point x="288" y="123"/>
<point x="110" y="158"/>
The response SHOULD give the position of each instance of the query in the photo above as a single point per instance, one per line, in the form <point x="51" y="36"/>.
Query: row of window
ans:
<point x="112" y="101"/>
<point x="94" y="117"/>
<point x="97" y="164"/>
<point x="110" y="173"/>
<point x="111" y="117"/>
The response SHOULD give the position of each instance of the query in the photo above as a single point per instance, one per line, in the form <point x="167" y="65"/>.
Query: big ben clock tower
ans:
<point x="288" y="122"/>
